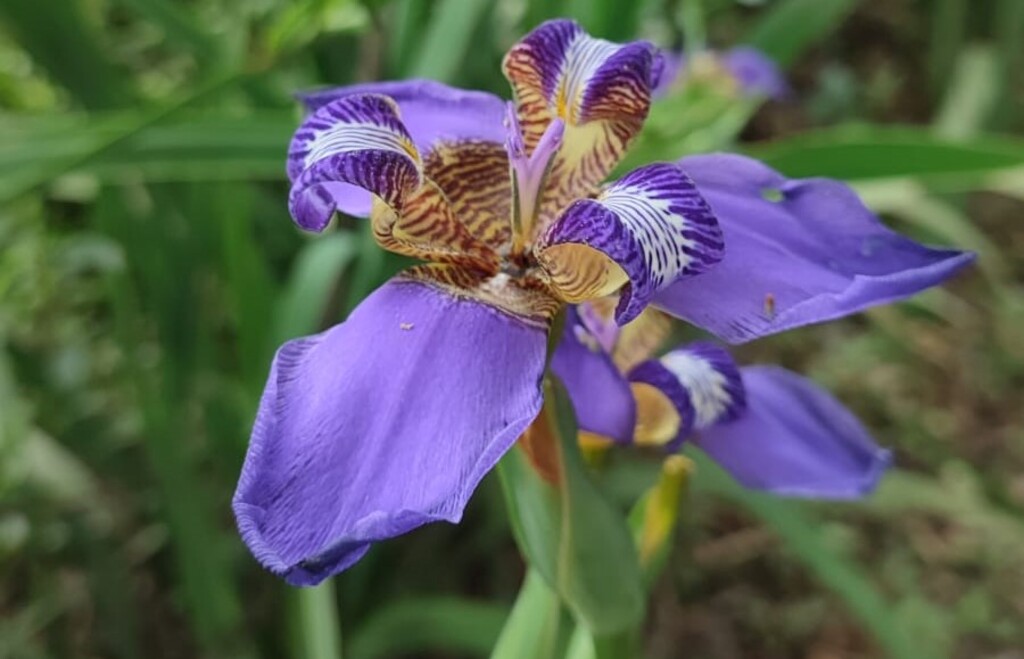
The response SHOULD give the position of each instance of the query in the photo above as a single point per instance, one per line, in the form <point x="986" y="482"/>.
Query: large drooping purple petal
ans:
<point x="432" y="113"/>
<point x="795" y="439"/>
<point x="600" y="395"/>
<point x="798" y="251"/>
<point x="382" y="424"/>
<point x="652" y="226"/>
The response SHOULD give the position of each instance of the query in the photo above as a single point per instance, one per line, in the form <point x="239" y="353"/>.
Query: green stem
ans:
<point x="532" y="628"/>
<point x="317" y="629"/>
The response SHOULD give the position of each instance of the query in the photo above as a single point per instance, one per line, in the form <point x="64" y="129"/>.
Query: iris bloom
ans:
<point x="746" y="70"/>
<point x="772" y="429"/>
<point x="390" y="420"/>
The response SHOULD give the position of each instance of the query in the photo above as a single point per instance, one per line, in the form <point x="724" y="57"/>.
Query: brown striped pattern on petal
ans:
<point x="474" y="176"/>
<point x="425" y="227"/>
<point x="523" y="298"/>
<point x="600" y="89"/>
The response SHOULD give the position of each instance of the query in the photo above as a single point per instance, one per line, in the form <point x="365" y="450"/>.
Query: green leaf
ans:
<point x="177" y="26"/>
<point x="874" y="152"/>
<point x="791" y="26"/>
<point x="62" y="41"/>
<point x="449" y="38"/>
<point x="311" y="285"/>
<point x="803" y="536"/>
<point x="46" y="158"/>
<point x="569" y="531"/>
<point x="416" y="626"/>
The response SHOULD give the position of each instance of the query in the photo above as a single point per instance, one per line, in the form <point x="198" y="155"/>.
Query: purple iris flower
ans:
<point x="389" y="420"/>
<point x="750" y="70"/>
<point x="773" y="430"/>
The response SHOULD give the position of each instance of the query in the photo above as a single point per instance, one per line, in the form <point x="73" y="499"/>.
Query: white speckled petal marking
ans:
<point x="709" y="388"/>
<point x="701" y="381"/>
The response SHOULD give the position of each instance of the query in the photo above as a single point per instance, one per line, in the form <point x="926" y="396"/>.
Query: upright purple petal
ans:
<point x="795" y="439"/>
<point x="646" y="230"/>
<point x="433" y="113"/>
<point x="382" y="424"/>
<point x="600" y="394"/>
<point x="799" y="251"/>
<point x="599" y="89"/>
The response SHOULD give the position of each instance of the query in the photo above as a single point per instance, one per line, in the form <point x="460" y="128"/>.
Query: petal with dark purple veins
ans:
<point x="795" y="439"/>
<point x="360" y="142"/>
<point x="459" y="132"/>
<point x="800" y="251"/>
<point x="600" y="394"/>
<point x="640" y="234"/>
<point x="382" y="424"/>
<point x="600" y="89"/>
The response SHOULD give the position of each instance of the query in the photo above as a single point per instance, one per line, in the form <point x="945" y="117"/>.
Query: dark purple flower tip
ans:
<point x="382" y="424"/>
<point x="795" y="439"/>
<point x="800" y="251"/>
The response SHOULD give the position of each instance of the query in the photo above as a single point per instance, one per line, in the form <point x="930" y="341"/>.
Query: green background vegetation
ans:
<point x="148" y="269"/>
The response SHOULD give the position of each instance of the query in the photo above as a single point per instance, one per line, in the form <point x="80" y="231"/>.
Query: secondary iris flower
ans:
<point x="746" y="70"/>
<point x="772" y="429"/>
<point x="389" y="420"/>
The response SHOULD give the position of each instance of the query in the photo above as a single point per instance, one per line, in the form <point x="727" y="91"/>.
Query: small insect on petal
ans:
<point x="769" y="305"/>
<point x="405" y="326"/>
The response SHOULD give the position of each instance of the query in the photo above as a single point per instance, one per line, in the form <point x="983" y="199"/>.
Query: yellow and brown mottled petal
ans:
<point x="524" y="298"/>
<point x="601" y="90"/>
<point x="474" y="176"/>
<point x="426" y="227"/>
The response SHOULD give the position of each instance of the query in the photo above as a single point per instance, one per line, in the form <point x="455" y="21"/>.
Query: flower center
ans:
<point x="528" y="173"/>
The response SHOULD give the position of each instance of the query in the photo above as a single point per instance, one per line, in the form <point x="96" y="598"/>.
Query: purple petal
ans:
<point x="600" y="394"/>
<point x="795" y="439"/>
<point x="382" y="424"/>
<point x="652" y="223"/>
<point x="353" y="142"/>
<point x="431" y="111"/>
<point x="812" y="254"/>
<point x="755" y="72"/>
<point x="702" y="382"/>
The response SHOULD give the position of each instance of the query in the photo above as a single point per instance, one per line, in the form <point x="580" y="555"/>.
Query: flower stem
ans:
<point x="532" y="628"/>
<point x="317" y="627"/>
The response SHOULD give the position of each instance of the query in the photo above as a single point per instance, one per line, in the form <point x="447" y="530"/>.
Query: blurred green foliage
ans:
<point x="148" y="269"/>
